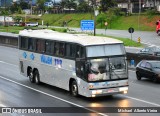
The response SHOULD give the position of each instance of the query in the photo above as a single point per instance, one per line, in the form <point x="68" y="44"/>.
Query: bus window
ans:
<point x="31" y="44"/>
<point x="40" y="46"/>
<point x="80" y="52"/>
<point x="49" y="45"/>
<point x="56" y="49"/>
<point x="24" y="42"/>
<point x="70" y="50"/>
<point x="61" y="49"/>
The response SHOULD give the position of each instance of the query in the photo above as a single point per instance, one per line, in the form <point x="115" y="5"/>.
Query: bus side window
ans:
<point x="73" y="50"/>
<point x="70" y="50"/>
<point x="40" y="46"/>
<point x="49" y="46"/>
<point x="31" y="44"/>
<point x="80" y="53"/>
<point x="61" y="49"/>
<point x="23" y="43"/>
<point x="56" y="49"/>
<point x="67" y="50"/>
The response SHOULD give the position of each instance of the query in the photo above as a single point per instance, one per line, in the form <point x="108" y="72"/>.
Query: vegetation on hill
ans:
<point x="142" y="22"/>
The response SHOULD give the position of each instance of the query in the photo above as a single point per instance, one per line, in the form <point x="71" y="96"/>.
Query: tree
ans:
<point x="23" y="4"/>
<point x="83" y="7"/>
<point x="101" y="18"/>
<point x="40" y="5"/>
<point x="71" y="4"/>
<point x="106" y="4"/>
<point x="111" y="15"/>
<point x="17" y="19"/>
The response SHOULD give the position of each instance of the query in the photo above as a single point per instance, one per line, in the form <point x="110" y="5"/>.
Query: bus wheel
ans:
<point x="74" y="89"/>
<point x="36" y="76"/>
<point x="30" y="75"/>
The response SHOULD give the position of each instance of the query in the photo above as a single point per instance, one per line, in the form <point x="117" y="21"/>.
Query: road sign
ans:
<point x="87" y="25"/>
<point x="131" y="30"/>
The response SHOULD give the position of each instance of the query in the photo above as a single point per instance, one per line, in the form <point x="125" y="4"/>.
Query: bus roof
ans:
<point x="82" y="39"/>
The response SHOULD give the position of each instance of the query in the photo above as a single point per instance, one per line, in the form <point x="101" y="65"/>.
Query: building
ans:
<point x="6" y="3"/>
<point x="133" y="6"/>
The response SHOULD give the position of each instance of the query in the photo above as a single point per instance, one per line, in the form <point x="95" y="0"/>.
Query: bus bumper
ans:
<point x="108" y="91"/>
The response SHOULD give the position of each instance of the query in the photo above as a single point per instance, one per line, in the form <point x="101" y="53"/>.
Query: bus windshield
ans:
<point x="105" y="50"/>
<point x="107" y="69"/>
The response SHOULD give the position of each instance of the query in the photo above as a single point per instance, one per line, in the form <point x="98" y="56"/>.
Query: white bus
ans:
<point x="84" y="65"/>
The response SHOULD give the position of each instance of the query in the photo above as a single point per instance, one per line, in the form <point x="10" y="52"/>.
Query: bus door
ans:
<point x="81" y="68"/>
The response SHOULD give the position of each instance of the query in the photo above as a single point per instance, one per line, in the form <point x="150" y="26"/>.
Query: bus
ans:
<point x="84" y="65"/>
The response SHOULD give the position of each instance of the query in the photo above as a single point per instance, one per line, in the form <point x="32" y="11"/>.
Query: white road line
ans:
<point x="53" y="96"/>
<point x="143" y="101"/>
<point x="8" y="63"/>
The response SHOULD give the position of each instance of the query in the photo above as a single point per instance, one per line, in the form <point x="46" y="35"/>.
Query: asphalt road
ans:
<point x="17" y="91"/>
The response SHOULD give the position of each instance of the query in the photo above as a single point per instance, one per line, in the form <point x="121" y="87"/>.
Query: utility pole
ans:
<point x="5" y="13"/>
<point x="31" y="6"/>
<point x="94" y="7"/>
<point x="139" y="15"/>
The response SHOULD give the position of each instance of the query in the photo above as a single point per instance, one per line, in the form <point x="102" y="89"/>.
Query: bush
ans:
<point x="151" y="12"/>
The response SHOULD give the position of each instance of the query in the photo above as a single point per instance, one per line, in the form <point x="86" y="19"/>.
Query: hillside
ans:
<point x="143" y="23"/>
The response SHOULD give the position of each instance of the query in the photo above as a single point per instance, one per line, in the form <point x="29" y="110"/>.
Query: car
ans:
<point x="153" y="50"/>
<point x="148" y="69"/>
<point x="32" y="24"/>
<point x="15" y="24"/>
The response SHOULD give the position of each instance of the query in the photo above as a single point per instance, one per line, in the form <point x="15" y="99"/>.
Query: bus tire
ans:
<point x="30" y="75"/>
<point x="36" y="77"/>
<point x="74" y="89"/>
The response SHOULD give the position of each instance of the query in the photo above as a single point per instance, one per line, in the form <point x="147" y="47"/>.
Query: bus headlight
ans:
<point x="123" y="89"/>
<point x="96" y="92"/>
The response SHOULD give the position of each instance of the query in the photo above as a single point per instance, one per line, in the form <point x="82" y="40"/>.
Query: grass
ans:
<point x="126" y="41"/>
<point x="11" y="29"/>
<point x="142" y="22"/>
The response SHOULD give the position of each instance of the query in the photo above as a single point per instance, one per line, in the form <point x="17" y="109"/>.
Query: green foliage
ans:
<point x="106" y="4"/>
<point x="64" y="30"/>
<point x="127" y="41"/>
<point x="101" y="18"/>
<point x="151" y="12"/>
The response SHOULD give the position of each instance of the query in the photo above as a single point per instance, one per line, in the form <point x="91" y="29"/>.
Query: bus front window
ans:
<point x="118" y="68"/>
<point x="99" y="70"/>
<point x="107" y="69"/>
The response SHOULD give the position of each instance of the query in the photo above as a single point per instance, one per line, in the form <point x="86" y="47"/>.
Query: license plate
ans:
<point x="110" y="90"/>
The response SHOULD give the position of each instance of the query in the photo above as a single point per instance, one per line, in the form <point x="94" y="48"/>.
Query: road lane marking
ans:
<point x="8" y="63"/>
<point x="143" y="101"/>
<point x="92" y="111"/>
